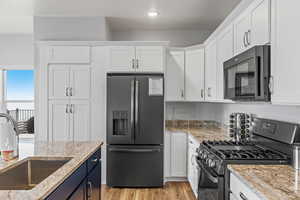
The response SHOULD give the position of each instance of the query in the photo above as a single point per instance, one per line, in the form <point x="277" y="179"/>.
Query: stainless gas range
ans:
<point x="271" y="143"/>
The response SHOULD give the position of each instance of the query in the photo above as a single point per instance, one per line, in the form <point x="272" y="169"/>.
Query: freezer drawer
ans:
<point x="134" y="166"/>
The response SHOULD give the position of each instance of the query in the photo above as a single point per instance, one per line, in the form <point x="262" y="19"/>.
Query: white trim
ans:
<point x="102" y="43"/>
<point x="19" y="101"/>
<point x="17" y="67"/>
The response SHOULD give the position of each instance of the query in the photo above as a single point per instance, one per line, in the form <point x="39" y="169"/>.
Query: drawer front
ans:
<point x="240" y="190"/>
<point x="69" y="54"/>
<point x="94" y="160"/>
<point x="69" y="185"/>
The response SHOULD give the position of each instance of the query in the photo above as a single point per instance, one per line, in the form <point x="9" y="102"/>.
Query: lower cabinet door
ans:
<point x="80" y="193"/>
<point x="93" y="184"/>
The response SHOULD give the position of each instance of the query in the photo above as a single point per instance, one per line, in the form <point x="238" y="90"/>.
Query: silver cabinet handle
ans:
<point x="72" y="108"/>
<point x="244" y="40"/>
<point x="209" y="92"/>
<point x="202" y="93"/>
<point x="132" y="63"/>
<point x="243" y="196"/>
<point x="248" y="37"/>
<point x="137" y="63"/>
<point x="67" y="108"/>
<point x="90" y="189"/>
<point x="182" y="93"/>
<point x="67" y="91"/>
<point x="271" y="85"/>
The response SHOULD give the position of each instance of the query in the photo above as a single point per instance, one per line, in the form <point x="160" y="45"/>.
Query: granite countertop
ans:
<point x="200" y="130"/>
<point x="270" y="182"/>
<point x="79" y="151"/>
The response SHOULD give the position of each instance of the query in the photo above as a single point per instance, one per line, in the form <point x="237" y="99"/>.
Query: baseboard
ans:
<point x="175" y="179"/>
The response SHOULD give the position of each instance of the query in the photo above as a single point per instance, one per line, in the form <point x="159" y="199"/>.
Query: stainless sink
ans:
<point x="26" y="174"/>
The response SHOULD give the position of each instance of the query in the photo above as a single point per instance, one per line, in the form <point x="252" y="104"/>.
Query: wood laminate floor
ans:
<point x="171" y="191"/>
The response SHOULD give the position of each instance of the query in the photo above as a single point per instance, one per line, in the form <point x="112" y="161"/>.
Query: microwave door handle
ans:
<point x="259" y="78"/>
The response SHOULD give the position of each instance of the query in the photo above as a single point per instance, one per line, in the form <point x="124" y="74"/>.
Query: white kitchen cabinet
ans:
<point x="136" y="59"/>
<point x="240" y="191"/>
<point x="225" y="50"/>
<point x="175" y="71"/>
<point x="69" y="81"/>
<point x="194" y="75"/>
<point x="121" y="59"/>
<point x="260" y="24"/>
<point x="210" y="71"/>
<point x="69" y="54"/>
<point x="59" y="81"/>
<point x="69" y="120"/>
<point x="150" y="58"/>
<point x="80" y="120"/>
<point x="193" y="172"/>
<point x="242" y="29"/>
<point x="59" y="120"/>
<point x="178" y="154"/>
<point x="252" y="27"/>
<point x="285" y="53"/>
<point x="80" y="81"/>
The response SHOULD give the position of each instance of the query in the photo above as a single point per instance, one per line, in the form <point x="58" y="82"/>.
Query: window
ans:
<point x="19" y="89"/>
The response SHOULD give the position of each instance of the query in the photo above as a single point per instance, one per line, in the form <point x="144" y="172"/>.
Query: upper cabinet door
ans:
<point x="285" y="52"/>
<point x="80" y="82"/>
<point x="59" y="120"/>
<point x="242" y="29"/>
<point x="194" y="75"/>
<point x="175" y="76"/>
<point x="150" y="58"/>
<point x="210" y="71"/>
<point x="79" y="120"/>
<point x="69" y="54"/>
<point x="260" y="28"/>
<point x="224" y="52"/>
<point x="59" y="80"/>
<point x="121" y="59"/>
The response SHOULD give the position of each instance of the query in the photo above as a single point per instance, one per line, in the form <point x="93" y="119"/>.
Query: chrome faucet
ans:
<point x="16" y="129"/>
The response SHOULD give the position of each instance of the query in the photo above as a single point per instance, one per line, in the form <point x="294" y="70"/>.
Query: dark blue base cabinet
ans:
<point x="83" y="184"/>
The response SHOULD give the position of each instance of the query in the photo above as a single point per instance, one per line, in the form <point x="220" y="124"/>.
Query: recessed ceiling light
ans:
<point x="153" y="13"/>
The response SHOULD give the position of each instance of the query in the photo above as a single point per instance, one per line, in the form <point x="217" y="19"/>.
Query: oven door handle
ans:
<point x="209" y="174"/>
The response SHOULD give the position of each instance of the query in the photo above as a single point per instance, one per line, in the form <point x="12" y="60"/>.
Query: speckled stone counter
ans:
<point x="79" y="151"/>
<point x="200" y="130"/>
<point x="270" y="182"/>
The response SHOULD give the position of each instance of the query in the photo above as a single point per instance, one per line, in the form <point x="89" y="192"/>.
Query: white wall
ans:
<point x="177" y="38"/>
<point x="71" y="28"/>
<point x="16" y="50"/>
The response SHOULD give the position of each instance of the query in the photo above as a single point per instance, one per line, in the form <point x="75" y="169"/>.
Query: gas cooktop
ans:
<point x="231" y="150"/>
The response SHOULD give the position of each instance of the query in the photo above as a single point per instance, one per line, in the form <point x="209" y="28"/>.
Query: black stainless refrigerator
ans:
<point x="135" y="126"/>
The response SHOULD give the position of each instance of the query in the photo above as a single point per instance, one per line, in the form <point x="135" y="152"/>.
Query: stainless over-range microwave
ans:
<point x="246" y="76"/>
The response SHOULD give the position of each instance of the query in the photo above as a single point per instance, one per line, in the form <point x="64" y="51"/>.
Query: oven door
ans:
<point x="210" y="186"/>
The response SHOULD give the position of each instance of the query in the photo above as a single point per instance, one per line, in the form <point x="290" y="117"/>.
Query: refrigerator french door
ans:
<point x="135" y="116"/>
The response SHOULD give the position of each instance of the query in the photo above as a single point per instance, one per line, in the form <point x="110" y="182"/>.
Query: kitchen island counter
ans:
<point x="79" y="152"/>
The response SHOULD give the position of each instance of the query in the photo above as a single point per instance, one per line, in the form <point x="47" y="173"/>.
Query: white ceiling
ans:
<point x="125" y="14"/>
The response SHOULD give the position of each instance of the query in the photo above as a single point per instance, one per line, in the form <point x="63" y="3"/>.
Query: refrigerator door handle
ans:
<point x="132" y="108"/>
<point x="135" y="150"/>
<point x="136" y="107"/>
